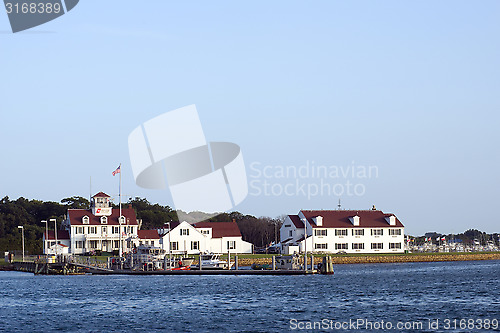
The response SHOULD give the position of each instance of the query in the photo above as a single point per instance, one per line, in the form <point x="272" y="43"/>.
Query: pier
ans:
<point x="78" y="269"/>
<point x="78" y="266"/>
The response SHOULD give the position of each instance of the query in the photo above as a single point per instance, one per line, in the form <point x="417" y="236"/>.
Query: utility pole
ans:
<point x="22" y="231"/>
<point x="55" y="233"/>
<point x="45" y="247"/>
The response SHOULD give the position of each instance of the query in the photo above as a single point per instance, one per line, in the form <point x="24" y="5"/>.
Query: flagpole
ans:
<point x="120" y="205"/>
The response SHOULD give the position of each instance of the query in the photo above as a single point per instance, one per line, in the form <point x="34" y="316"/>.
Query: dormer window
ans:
<point x="104" y="219"/>
<point x="85" y="219"/>
<point x="121" y="219"/>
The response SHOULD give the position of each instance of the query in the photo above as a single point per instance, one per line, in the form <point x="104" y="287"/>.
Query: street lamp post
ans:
<point x="169" y="249"/>
<point x="22" y="232"/>
<point x="55" y="233"/>
<point x="45" y="247"/>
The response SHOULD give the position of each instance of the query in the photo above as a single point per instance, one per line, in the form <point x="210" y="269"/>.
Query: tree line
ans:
<point x="260" y="231"/>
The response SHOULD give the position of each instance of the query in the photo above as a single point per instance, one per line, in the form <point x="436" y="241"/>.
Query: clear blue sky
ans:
<point x="409" y="87"/>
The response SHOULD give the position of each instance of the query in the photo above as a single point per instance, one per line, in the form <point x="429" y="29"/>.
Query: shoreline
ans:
<point x="364" y="259"/>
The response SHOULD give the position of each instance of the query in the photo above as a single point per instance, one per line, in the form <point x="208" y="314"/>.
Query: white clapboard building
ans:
<point x="203" y="237"/>
<point x="344" y="231"/>
<point x="101" y="228"/>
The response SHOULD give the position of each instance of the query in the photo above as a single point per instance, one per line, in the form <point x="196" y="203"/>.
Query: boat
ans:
<point x="213" y="261"/>
<point x="150" y="258"/>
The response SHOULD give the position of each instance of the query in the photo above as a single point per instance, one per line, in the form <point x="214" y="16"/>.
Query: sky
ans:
<point x="398" y="101"/>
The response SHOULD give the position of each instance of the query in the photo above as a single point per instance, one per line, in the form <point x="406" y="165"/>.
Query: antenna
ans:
<point x="90" y="192"/>
<point x="339" y="205"/>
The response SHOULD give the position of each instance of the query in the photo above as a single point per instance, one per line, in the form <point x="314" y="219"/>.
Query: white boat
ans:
<point x="212" y="261"/>
<point x="150" y="258"/>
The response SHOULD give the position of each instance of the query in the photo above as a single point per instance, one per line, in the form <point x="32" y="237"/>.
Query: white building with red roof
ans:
<point x="101" y="227"/>
<point x="349" y="231"/>
<point x="49" y="241"/>
<point x="148" y="237"/>
<point x="202" y="237"/>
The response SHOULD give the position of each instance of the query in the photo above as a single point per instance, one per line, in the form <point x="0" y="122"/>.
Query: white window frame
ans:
<point x="341" y="232"/>
<point x="341" y="246"/>
<point x="358" y="246"/>
<point x="231" y="245"/>
<point x="320" y="232"/>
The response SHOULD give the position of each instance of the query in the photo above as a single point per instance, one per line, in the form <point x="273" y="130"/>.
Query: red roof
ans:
<point x="101" y="195"/>
<point x="61" y="234"/>
<point x="75" y="217"/>
<point x="297" y="221"/>
<point x="148" y="234"/>
<point x="340" y="218"/>
<point x="220" y="229"/>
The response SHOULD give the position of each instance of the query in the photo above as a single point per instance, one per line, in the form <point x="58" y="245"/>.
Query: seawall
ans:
<point x="373" y="259"/>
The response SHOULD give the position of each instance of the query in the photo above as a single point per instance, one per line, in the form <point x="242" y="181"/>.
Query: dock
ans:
<point x="78" y="266"/>
<point x="41" y="268"/>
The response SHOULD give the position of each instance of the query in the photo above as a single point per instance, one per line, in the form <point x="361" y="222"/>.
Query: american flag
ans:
<point x="118" y="170"/>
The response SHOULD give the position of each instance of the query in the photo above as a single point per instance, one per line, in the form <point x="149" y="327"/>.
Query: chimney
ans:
<point x="318" y="220"/>
<point x="354" y="220"/>
<point x="391" y="220"/>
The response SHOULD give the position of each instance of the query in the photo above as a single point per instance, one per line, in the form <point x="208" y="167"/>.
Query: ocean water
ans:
<point x="442" y="297"/>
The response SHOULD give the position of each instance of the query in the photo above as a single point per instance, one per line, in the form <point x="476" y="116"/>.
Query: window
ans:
<point x="85" y="219"/>
<point x="323" y="246"/>
<point x="93" y="244"/>
<point x="377" y="232"/>
<point x="288" y="225"/>
<point x="184" y="232"/>
<point x="340" y="232"/>
<point x="394" y="232"/>
<point x="92" y="230"/>
<point x="291" y="233"/>
<point x="79" y="230"/>
<point x="377" y="246"/>
<point x="231" y="245"/>
<point x="115" y="230"/>
<point x="104" y="230"/>
<point x="121" y="219"/>
<point x="195" y="245"/>
<point x="104" y="220"/>
<point x="101" y="202"/>
<point x="79" y="244"/>
<point x="358" y="246"/>
<point x="341" y="246"/>
<point x="319" y="232"/>
<point x="205" y="232"/>
<point x="117" y="244"/>
<point x="358" y="232"/>
<point x="174" y="246"/>
<point x="395" y="245"/>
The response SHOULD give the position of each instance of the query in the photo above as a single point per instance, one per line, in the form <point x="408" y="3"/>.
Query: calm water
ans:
<point x="373" y="293"/>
